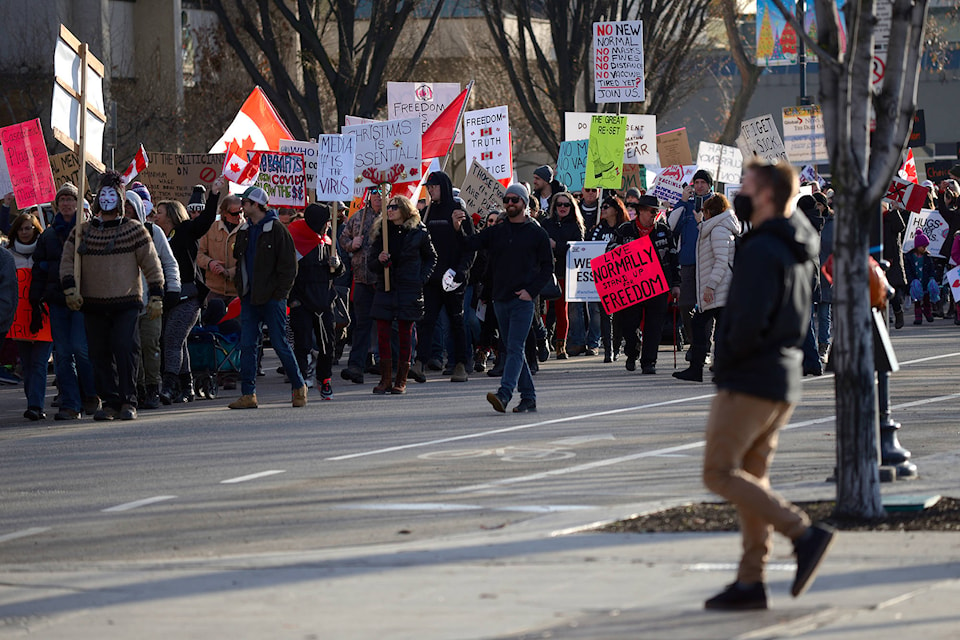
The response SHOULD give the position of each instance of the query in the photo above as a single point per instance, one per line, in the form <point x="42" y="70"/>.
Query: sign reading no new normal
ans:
<point x="618" y="61"/>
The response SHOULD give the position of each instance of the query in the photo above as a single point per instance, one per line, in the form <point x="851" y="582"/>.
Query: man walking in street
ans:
<point x="355" y="240"/>
<point x="522" y="263"/>
<point x="758" y="373"/>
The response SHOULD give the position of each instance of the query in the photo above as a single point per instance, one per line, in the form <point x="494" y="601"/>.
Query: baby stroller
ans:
<point x="214" y="345"/>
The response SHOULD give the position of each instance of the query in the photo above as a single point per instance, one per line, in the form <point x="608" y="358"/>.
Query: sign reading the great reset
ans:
<point x="618" y="61"/>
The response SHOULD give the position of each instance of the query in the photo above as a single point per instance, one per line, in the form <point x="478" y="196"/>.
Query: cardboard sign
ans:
<point x="628" y="274"/>
<point x="336" y="158"/>
<point x="639" y="145"/>
<point x="674" y="148"/>
<point x="904" y="194"/>
<point x="20" y="330"/>
<point x="481" y="191"/>
<point x="309" y="152"/>
<point x="579" y="281"/>
<point x="605" y="152"/>
<point x="618" y="61"/>
<point x="724" y="163"/>
<point x="424" y="100"/>
<point x="28" y="164"/>
<point x="933" y="225"/>
<point x="387" y="152"/>
<point x="283" y="176"/>
<point x="668" y="185"/>
<point x="572" y="163"/>
<point x="804" y="137"/>
<point x="634" y="175"/>
<point x="487" y="134"/>
<point x="760" y="137"/>
<point x="952" y="278"/>
<point x="171" y="176"/>
<point x="66" y="168"/>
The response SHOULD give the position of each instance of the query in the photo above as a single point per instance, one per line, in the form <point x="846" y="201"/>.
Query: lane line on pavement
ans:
<point x="443" y="506"/>
<point x="127" y="506"/>
<point x="23" y="533"/>
<point x="252" y="476"/>
<point x="656" y="452"/>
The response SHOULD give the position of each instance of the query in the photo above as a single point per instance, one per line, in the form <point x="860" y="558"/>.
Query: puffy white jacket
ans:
<point x="715" y="250"/>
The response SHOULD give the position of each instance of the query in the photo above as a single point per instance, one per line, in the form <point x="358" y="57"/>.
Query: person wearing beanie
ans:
<point x="522" y="260"/>
<point x="921" y="274"/>
<point x="195" y="205"/>
<point x="141" y="190"/>
<point x="113" y="251"/>
<point x="312" y="295"/>
<point x="542" y="185"/>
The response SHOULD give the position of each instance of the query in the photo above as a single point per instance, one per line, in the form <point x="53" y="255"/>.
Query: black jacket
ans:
<point x="313" y="286"/>
<point x="768" y="311"/>
<point x="412" y="260"/>
<point x="662" y="239"/>
<point x="520" y="257"/>
<point x="438" y="220"/>
<point x="45" y="283"/>
<point x="185" y="243"/>
<point x="562" y="231"/>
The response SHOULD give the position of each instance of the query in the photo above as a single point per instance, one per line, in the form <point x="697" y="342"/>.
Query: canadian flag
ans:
<point x="486" y="155"/>
<point x="239" y="170"/>
<point x="138" y="164"/>
<point x="909" y="169"/>
<point x="257" y="126"/>
<point x="904" y="194"/>
<point x="486" y="132"/>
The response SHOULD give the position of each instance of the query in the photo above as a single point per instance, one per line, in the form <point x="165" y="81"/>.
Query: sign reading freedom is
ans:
<point x="628" y="274"/>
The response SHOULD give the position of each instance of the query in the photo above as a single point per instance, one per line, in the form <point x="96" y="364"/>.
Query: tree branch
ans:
<point x="788" y="15"/>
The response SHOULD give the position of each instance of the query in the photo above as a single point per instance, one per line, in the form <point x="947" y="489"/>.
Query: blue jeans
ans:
<point x="584" y="320"/>
<point x="823" y="315"/>
<point x="515" y="317"/>
<point x="33" y="358"/>
<point x="71" y="362"/>
<point x="274" y="315"/>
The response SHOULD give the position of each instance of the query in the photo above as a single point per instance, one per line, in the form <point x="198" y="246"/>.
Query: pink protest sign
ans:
<point x="628" y="274"/>
<point x="28" y="163"/>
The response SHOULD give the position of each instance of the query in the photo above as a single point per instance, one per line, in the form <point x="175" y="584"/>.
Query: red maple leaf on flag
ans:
<point x="235" y="167"/>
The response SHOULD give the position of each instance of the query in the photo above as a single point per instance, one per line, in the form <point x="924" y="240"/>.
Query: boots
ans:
<point x="186" y="389"/>
<point x="561" y="349"/>
<point x="169" y="388"/>
<point x="151" y="397"/>
<point x="956" y="317"/>
<point x="459" y="373"/>
<point x="400" y="385"/>
<point x="694" y="373"/>
<point x="927" y="309"/>
<point x="898" y="319"/>
<point x="416" y="372"/>
<point x="917" y="312"/>
<point x="386" y="372"/>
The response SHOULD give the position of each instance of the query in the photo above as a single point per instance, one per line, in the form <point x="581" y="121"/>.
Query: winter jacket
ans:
<point x="171" y="270"/>
<point x="685" y="228"/>
<point x="520" y="257"/>
<point x="185" y="242"/>
<point x="562" y="231"/>
<point x="919" y="267"/>
<point x="768" y="311"/>
<point x="951" y="215"/>
<point x="715" y="251"/>
<point x="602" y="233"/>
<point x="412" y="260"/>
<point x="358" y="226"/>
<point x="894" y="225"/>
<point x="9" y="291"/>
<point x="438" y="220"/>
<point x="662" y="240"/>
<point x="217" y="244"/>
<point x="45" y="285"/>
<point x="274" y="260"/>
<point x="313" y="286"/>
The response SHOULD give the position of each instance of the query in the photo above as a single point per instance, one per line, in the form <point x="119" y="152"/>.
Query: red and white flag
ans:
<point x="904" y="194"/>
<point x="237" y="169"/>
<point x="438" y="138"/>
<point x="138" y="164"/>
<point x="257" y="126"/>
<point x="909" y="169"/>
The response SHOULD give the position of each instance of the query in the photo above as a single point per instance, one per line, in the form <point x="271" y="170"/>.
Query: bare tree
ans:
<point x="862" y="164"/>
<point x="749" y="72"/>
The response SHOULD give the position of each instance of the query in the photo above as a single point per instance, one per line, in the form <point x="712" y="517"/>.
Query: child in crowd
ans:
<point x="920" y="274"/>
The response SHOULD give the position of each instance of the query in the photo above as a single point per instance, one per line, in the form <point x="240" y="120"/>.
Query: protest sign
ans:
<point x="20" y="329"/>
<point x="760" y="137"/>
<point x="639" y="145"/>
<point x="810" y="174"/>
<point x="803" y="135"/>
<point x="933" y="225"/>
<point x="572" y="163"/>
<point x="424" y="100"/>
<point x="904" y="194"/>
<point x="480" y="190"/>
<point x="618" y="61"/>
<point x="487" y="134"/>
<point x="918" y="132"/>
<point x="579" y="285"/>
<point x="78" y="99"/>
<point x="27" y="163"/>
<point x="952" y="278"/>
<point x="386" y="152"/>
<point x="349" y="121"/>
<point x="730" y="190"/>
<point x="336" y="157"/>
<point x="668" y="185"/>
<point x="628" y="274"/>
<point x="66" y="168"/>
<point x="674" y="148"/>
<point x="605" y="152"/>
<point x="634" y="176"/>
<point x="6" y="185"/>
<point x="283" y="177"/>
<point x="309" y="152"/>
<point x="171" y="176"/>
<point x="938" y="170"/>
<point x="724" y="163"/>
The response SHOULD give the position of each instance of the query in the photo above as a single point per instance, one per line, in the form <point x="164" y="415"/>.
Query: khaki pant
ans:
<point x="149" y="370"/>
<point x="741" y="440"/>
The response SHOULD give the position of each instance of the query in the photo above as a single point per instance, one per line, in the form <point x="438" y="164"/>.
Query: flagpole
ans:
<point x="463" y="107"/>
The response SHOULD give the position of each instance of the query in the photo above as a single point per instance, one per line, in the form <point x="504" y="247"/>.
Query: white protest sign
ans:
<point x="386" y="152"/>
<point x="424" y="100"/>
<point x="762" y="138"/>
<point x="352" y="121"/>
<point x="487" y="134"/>
<point x="933" y="225"/>
<point x="640" y="145"/>
<point x="803" y="135"/>
<point x="579" y="285"/>
<point x="952" y="278"/>
<point x="618" y="61"/>
<point x="336" y="158"/>
<point x="282" y="176"/>
<point x="6" y="184"/>
<point x="668" y="186"/>
<point x="480" y="190"/>
<point x="724" y="163"/>
<point x="309" y="152"/>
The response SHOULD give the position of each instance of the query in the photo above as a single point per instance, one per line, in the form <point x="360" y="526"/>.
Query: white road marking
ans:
<point x="23" y="533"/>
<point x="253" y="476"/>
<point x="575" y="440"/>
<point x="441" y="506"/>
<point x="137" y="503"/>
<point x="728" y="566"/>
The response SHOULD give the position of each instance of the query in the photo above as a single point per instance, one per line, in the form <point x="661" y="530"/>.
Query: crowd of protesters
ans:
<point x="437" y="290"/>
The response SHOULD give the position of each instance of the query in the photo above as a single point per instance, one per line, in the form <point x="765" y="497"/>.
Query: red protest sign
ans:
<point x="628" y="274"/>
<point x="904" y="194"/>
<point x="28" y="163"/>
<point x="20" y="330"/>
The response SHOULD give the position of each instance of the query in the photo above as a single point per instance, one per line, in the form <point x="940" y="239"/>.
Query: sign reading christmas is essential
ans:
<point x="605" y="152"/>
<point x="572" y="163"/>
<point x="804" y="137"/>
<point x="618" y="61"/>
<point x="387" y="152"/>
<point x="628" y="274"/>
<point x="171" y="176"/>
<point x="579" y="281"/>
<point x="639" y="145"/>
<point x="904" y="194"/>
<point x="283" y="177"/>
<point x="27" y="163"/>
<point x="425" y="100"/>
<point x="336" y="157"/>
<point x="481" y="191"/>
<point x="487" y="135"/>
<point x="932" y="224"/>
<point x="724" y="163"/>
<point x="760" y="137"/>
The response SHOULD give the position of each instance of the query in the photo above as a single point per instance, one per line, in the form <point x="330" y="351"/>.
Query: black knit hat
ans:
<point x="197" y="197"/>
<point x="703" y="174"/>
<point x="317" y="216"/>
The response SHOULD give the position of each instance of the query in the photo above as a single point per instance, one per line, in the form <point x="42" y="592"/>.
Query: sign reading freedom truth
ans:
<point x="628" y="274"/>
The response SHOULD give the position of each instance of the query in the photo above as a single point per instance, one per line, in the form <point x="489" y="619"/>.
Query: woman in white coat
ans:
<point x="716" y="246"/>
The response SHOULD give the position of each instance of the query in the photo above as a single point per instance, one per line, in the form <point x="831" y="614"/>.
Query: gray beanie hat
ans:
<point x="518" y="189"/>
<point x="545" y="173"/>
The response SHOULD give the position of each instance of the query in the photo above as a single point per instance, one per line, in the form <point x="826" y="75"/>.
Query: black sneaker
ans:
<point x="499" y="404"/>
<point x="34" y="414"/>
<point x="631" y="364"/>
<point x="526" y="405"/>
<point x="543" y="351"/>
<point x="648" y="369"/>
<point x="738" y="597"/>
<point x="692" y="374"/>
<point x="810" y="549"/>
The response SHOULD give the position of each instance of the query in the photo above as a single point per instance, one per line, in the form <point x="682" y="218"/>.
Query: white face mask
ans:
<point x="108" y="199"/>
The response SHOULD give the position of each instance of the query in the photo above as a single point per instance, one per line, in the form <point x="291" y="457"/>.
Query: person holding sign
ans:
<point x="612" y="215"/>
<point x="355" y="240"/>
<point x="685" y="223"/>
<point x="564" y="225"/>
<point x="651" y="313"/>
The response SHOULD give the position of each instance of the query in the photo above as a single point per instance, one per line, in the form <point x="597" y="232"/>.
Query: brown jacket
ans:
<point x="217" y="244"/>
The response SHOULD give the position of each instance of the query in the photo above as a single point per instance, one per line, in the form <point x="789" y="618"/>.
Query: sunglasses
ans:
<point x="511" y="199"/>
<point x="234" y="213"/>
<point x="392" y="207"/>
<point x="565" y="205"/>
<point x="606" y="206"/>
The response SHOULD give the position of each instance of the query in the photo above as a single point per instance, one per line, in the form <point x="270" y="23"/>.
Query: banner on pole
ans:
<point x="481" y="191"/>
<point x="724" y="163"/>
<point x="628" y="274"/>
<point x="605" y="152"/>
<point x="487" y="134"/>
<point x="668" y="185"/>
<point x="386" y="152"/>
<point x="171" y="176"/>
<point x="640" y="142"/>
<point x="618" y="61"/>
<point x="27" y="163"/>
<point x="283" y="177"/>
<point x="904" y="194"/>
<point x="70" y="86"/>
<point x="424" y="100"/>
<point x="336" y="157"/>
<point x="579" y="276"/>
<point x="760" y="137"/>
